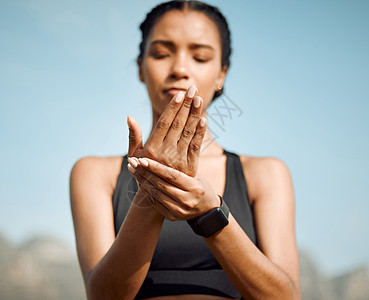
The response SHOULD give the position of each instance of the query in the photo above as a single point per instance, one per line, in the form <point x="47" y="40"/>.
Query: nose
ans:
<point x="180" y="67"/>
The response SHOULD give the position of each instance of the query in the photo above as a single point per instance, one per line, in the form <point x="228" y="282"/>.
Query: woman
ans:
<point x="134" y="241"/>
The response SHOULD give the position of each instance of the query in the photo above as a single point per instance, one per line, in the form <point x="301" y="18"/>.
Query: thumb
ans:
<point x="135" y="136"/>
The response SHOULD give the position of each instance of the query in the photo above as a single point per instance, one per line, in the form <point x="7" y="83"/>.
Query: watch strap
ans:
<point x="212" y="221"/>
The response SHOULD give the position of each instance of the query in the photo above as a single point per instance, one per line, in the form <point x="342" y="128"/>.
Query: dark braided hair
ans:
<point x="212" y="12"/>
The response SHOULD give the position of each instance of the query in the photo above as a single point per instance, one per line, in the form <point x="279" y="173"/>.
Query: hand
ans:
<point x="177" y="137"/>
<point x="172" y="193"/>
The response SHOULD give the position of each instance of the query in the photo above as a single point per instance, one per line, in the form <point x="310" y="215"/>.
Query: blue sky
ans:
<point x="299" y="73"/>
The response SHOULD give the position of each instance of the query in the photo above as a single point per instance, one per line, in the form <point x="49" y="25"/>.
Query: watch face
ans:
<point x="212" y="222"/>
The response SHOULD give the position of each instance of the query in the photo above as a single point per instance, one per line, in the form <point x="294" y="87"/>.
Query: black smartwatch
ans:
<point x="211" y="222"/>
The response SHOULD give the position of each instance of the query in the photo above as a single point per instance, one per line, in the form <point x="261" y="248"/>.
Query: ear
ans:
<point x="222" y="76"/>
<point x="140" y="72"/>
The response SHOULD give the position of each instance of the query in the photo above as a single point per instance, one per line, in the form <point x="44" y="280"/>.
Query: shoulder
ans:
<point x="264" y="166"/>
<point x="269" y="182"/>
<point x="96" y="172"/>
<point x="264" y="175"/>
<point x="92" y="184"/>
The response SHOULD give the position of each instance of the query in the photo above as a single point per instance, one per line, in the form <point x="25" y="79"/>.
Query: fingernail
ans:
<point x="128" y="122"/>
<point x="132" y="162"/>
<point x="202" y="122"/>
<point x="131" y="169"/>
<point x="179" y="97"/>
<point x="143" y="162"/>
<point x="191" y="91"/>
<point x="197" y="102"/>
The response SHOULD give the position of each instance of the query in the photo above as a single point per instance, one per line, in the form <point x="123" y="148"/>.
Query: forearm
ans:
<point x="121" y="272"/>
<point x="251" y="272"/>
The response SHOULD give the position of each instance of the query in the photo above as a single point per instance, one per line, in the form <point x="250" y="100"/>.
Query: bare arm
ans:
<point x="112" y="268"/>
<point x="270" y="272"/>
<point x="115" y="268"/>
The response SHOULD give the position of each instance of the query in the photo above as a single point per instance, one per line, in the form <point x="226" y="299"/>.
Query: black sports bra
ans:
<point x="182" y="262"/>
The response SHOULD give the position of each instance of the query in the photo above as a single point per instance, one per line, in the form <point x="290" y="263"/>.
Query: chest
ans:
<point x="178" y="248"/>
<point x="214" y="170"/>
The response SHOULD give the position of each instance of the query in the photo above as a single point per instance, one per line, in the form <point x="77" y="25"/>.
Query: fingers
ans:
<point x="164" y="204"/>
<point x="181" y="118"/>
<point x="151" y="195"/>
<point x="162" y="195"/>
<point x="181" y="203"/>
<point x="135" y="136"/>
<point x="170" y="175"/>
<point x="151" y="177"/>
<point x="195" y="147"/>
<point x="166" y="118"/>
<point x="176" y="130"/>
<point x="191" y="124"/>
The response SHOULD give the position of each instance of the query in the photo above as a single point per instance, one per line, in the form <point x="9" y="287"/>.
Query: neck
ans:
<point x="209" y="146"/>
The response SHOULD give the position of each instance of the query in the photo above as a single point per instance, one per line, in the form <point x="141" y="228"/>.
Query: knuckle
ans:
<point x="151" y="200"/>
<point x="155" y="193"/>
<point x="187" y="104"/>
<point x="163" y="124"/>
<point x="172" y="175"/>
<point x="194" y="117"/>
<point x="199" y="190"/>
<point x="160" y="186"/>
<point x="191" y="204"/>
<point x="187" y="133"/>
<point x="132" y="137"/>
<point x="195" y="147"/>
<point x="187" y="205"/>
<point x="150" y="151"/>
<point x="177" y="124"/>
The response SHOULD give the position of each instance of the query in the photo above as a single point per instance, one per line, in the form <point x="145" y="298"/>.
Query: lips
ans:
<point x="174" y="91"/>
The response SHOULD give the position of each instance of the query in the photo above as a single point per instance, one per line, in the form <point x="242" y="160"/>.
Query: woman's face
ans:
<point x="184" y="49"/>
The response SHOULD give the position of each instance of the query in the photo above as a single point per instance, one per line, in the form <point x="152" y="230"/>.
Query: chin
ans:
<point x="159" y="108"/>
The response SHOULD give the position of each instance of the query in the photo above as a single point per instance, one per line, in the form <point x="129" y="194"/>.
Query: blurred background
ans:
<point x="68" y="79"/>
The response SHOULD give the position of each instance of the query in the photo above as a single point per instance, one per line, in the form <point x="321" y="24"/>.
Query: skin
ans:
<point x="185" y="46"/>
<point x="182" y="184"/>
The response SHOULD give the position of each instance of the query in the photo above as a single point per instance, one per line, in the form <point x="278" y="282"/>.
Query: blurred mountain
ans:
<point x="352" y="285"/>
<point x="43" y="268"/>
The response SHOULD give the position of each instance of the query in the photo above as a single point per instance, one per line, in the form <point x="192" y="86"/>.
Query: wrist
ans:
<point x="217" y="200"/>
<point x="212" y="221"/>
<point x="143" y="200"/>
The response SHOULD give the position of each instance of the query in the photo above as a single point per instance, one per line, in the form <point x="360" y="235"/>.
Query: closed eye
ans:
<point x="159" y="56"/>
<point x="201" y="60"/>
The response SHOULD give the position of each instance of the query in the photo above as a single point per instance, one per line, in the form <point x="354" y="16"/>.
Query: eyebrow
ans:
<point x="170" y="44"/>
